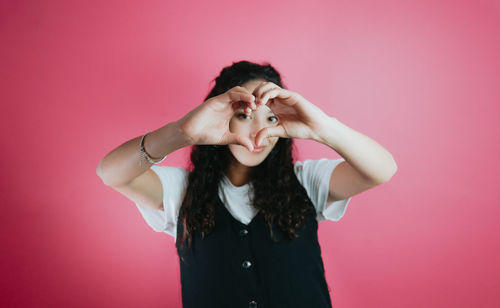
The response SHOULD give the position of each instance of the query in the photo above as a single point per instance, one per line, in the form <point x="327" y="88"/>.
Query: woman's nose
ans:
<point x="254" y="132"/>
<point x="256" y="127"/>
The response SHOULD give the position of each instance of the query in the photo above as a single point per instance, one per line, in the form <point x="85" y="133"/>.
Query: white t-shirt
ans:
<point x="314" y="175"/>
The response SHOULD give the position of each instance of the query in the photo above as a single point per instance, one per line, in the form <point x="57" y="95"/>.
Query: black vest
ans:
<point x="238" y="265"/>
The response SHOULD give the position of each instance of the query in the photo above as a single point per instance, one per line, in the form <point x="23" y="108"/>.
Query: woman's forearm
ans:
<point x="122" y="165"/>
<point x="360" y="151"/>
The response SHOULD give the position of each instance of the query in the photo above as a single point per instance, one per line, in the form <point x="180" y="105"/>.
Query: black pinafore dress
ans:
<point x="239" y="265"/>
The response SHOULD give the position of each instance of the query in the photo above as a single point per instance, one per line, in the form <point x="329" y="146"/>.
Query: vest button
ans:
<point x="246" y="264"/>
<point x="252" y="304"/>
<point x="243" y="232"/>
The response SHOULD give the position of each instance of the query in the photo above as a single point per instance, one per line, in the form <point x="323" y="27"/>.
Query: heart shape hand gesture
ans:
<point x="209" y="122"/>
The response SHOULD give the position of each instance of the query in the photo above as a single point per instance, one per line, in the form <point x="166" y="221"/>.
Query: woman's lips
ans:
<point x="258" y="149"/>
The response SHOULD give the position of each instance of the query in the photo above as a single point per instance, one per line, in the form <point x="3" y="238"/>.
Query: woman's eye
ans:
<point x="244" y="115"/>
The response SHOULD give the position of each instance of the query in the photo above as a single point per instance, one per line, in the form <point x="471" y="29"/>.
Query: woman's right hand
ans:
<point x="209" y="122"/>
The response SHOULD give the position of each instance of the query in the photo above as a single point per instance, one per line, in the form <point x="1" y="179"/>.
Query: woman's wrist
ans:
<point x="145" y="155"/>
<point x="165" y="140"/>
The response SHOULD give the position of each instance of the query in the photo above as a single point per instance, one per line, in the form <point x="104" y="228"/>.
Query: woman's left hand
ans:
<point x="298" y="118"/>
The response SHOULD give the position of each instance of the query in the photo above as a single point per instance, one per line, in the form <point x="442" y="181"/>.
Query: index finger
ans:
<point x="245" y="97"/>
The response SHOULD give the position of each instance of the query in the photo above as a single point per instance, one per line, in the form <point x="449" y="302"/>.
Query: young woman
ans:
<point x="244" y="216"/>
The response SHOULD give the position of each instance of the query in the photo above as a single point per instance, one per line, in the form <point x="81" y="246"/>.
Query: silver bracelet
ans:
<point x="144" y="154"/>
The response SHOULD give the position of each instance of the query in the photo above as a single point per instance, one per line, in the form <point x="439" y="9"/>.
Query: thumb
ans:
<point x="246" y="142"/>
<point x="266" y="132"/>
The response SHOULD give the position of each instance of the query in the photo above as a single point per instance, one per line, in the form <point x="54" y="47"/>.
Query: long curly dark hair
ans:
<point x="274" y="189"/>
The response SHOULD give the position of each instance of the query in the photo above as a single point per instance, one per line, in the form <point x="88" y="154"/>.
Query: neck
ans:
<point x="238" y="173"/>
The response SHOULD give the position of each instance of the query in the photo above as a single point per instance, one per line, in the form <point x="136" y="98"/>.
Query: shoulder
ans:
<point x="172" y="178"/>
<point x="173" y="183"/>
<point x="315" y="175"/>
<point x="311" y="168"/>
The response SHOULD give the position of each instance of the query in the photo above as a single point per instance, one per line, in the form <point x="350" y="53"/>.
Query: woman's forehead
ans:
<point x="252" y="84"/>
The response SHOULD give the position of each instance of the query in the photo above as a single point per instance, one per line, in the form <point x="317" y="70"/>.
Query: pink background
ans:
<point x="79" y="78"/>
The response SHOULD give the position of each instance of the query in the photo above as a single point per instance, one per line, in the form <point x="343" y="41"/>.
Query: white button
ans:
<point x="246" y="264"/>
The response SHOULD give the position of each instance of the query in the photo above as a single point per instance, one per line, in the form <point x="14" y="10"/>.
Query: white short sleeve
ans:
<point x="173" y="181"/>
<point x="314" y="175"/>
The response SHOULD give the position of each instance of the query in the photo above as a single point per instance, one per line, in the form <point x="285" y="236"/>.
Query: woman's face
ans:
<point x="248" y="126"/>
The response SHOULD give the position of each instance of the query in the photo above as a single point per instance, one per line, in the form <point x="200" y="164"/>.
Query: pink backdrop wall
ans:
<point x="422" y="78"/>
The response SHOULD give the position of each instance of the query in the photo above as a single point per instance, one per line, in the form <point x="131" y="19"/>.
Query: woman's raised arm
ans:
<point x="122" y="165"/>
